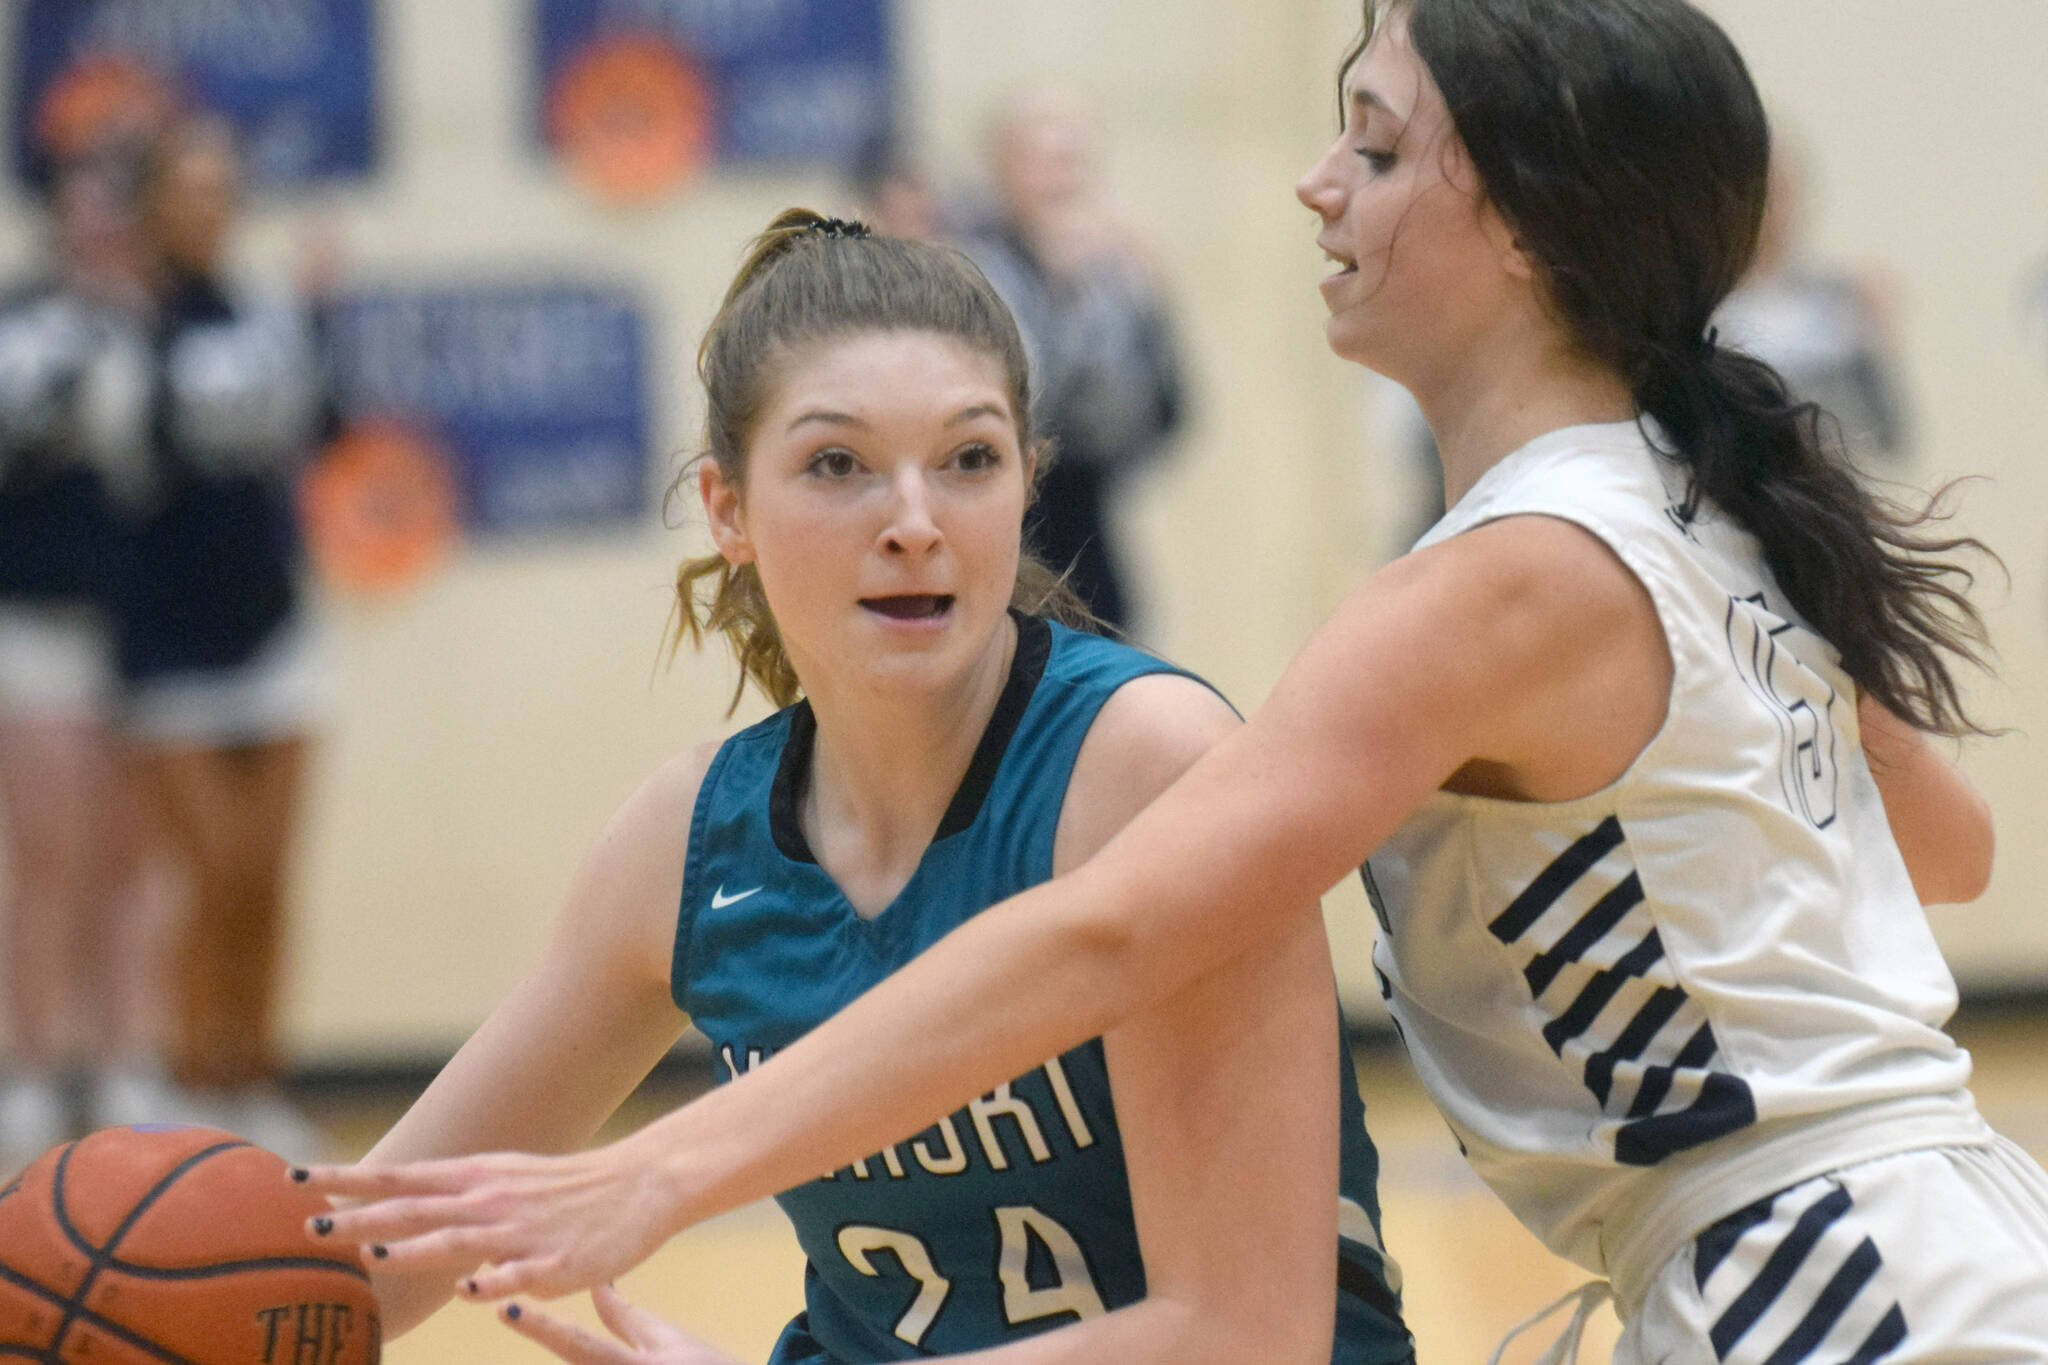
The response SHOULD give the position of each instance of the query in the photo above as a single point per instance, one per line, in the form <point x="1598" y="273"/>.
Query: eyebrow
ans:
<point x="1364" y="100"/>
<point x="994" y="410"/>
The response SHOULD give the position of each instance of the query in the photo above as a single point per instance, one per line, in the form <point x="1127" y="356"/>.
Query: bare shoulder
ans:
<point x="1149" y="732"/>
<point x="626" y="893"/>
<point x="1545" y="568"/>
<point x="1547" y="659"/>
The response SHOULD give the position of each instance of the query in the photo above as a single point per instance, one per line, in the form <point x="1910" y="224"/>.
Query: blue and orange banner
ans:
<point x="638" y="96"/>
<point x="296" y="77"/>
<point x="533" y="396"/>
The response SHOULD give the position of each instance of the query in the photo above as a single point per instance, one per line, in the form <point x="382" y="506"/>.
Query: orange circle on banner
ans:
<point x="378" y="507"/>
<point x="632" y="118"/>
<point x="98" y="99"/>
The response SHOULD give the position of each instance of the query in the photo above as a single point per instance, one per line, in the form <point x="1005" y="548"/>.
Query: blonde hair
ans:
<point x="807" y="279"/>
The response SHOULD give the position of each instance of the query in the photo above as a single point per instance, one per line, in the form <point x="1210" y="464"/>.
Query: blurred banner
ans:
<point x="637" y="96"/>
<point x="297" y="77"/>
<point x="533" y="395"/>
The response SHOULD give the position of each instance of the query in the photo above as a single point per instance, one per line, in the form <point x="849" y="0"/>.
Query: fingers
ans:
<point x="627" y="1320"/>
<point x="521" y="1276"/>
<point x="386" y="1182"/>
<point x="577" y="1345"/>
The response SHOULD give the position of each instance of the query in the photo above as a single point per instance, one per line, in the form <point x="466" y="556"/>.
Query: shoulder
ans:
<point x="1150" y="731"/>
<point x="621" y="907"/>
<point x="1543" y="568"/>
<point x="642" y="847"/>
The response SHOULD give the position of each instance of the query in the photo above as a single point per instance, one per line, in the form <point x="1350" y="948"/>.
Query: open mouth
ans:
<point x="910" y="606"/>
<point x="1344" y="267"/>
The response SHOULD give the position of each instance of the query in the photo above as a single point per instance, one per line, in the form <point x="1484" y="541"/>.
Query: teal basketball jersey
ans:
<point x="1012" y="1215"/>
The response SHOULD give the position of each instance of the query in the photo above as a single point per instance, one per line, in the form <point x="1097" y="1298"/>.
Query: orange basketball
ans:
<point x="166" y="1245"/>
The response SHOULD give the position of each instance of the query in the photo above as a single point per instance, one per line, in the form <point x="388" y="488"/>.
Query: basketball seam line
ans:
<point x="99" y="1257"/>
<point x="48" y="1354"/>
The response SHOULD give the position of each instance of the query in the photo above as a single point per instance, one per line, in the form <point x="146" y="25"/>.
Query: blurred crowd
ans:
<point x="159" y="676"/>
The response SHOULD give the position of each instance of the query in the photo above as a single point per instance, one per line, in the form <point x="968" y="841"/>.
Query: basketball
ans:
<point x="164" y="1245"/>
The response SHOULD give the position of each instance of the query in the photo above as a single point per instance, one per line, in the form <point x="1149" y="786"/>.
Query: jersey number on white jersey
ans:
<point x="1801" y="700"/>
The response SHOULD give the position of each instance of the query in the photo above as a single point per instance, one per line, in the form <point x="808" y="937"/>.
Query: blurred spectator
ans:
<point x="891" y="191"/>
<point x="1823" y="328"/>
<point x="221" y="663"/>
<point x="72" y="381"/>
<point x="1089" y="301"/>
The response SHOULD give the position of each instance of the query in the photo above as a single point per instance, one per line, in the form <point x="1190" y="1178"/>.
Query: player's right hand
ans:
<point x="504" y="1222"/>
<point x="647" y="1339"/>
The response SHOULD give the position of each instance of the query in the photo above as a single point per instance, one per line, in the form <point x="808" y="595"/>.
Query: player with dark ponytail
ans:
<point x="1642" y="225"/>
<point x="1633" y="741"/>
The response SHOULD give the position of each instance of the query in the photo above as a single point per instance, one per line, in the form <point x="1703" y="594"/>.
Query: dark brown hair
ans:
<point x="809" y="279"/>
<point x="1624" y="144"/>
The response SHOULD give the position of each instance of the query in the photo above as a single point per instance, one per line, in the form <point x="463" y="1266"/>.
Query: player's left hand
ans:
<point x="648" y="1340"/>
<point x="539" y="1225"/>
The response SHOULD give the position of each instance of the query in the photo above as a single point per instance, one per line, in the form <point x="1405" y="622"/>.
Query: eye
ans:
<point x="977" y="456"/>
<point x="834" y="462"/>
<point x="1381" y="162"/>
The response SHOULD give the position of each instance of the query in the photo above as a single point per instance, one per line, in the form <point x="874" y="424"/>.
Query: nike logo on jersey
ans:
<point x="719" y="900"/>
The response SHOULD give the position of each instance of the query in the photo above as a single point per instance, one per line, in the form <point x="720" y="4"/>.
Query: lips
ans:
<point x="910" y="606"/>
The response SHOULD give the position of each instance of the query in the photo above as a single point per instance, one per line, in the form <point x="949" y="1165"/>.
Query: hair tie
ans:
<point x="850" y="228"/>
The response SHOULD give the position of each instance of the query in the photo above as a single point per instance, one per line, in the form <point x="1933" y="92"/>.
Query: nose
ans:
<point x="911" y="529"/>
<point x="1318" y="188"/>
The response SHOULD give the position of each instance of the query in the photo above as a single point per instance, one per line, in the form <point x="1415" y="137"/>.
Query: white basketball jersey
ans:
<point x="1650" y="994"/>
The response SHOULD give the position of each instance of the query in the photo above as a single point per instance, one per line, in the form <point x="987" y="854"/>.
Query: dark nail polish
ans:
<point x="323" y="1226"/>
<point x="301" y="1174"/>
<point x="379" y="1250"/>
<point x="512" y="1311"/>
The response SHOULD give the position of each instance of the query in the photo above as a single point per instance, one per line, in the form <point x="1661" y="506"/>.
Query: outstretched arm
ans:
<point x="1474" y="649"/>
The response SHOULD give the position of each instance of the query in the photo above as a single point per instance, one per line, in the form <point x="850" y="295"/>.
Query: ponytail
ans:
<point x="1624" y="144"/>
<point x="1871" y="576"/>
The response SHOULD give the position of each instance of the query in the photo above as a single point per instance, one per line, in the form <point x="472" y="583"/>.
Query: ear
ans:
<point x="1507" y="246"/>
<point x="725" y="512"/>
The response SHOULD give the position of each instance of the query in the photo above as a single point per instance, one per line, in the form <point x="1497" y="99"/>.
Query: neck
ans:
<point x="1499" y="398"/>
<point x="886" y="766"/>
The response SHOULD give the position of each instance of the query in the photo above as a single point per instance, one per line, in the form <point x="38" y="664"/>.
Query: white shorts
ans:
<point x="56" y="661"/>
<point x="280" y="693"/>
<point x="1935" y="1256"/>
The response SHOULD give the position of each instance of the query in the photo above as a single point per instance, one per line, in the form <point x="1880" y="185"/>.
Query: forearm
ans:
<point x="1233" y="854"/>
<point x="1157" y="1331"/>
<point x="923" y="1042"/>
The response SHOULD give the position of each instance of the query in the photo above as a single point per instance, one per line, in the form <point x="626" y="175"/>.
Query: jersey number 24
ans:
<point x="1074" y="1292"/>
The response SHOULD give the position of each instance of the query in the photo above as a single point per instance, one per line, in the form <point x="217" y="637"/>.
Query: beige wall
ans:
<point x="491" y="720"/>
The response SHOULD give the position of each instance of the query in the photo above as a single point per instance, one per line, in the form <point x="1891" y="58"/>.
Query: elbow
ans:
<point x="1973" y="872"/>
<point x="1962" y="871"/>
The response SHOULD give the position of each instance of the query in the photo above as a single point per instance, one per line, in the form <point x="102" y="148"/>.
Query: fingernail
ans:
<point x="323" y="1225"/>
<point x="301" y="1174"/>
<point x="512" y="1311"/>
<point x="379" y="1250"/>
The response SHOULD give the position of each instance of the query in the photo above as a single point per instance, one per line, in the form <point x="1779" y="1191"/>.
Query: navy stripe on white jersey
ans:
<point x="1795" y="1278"/>
<point x="1615" y="1007"/>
